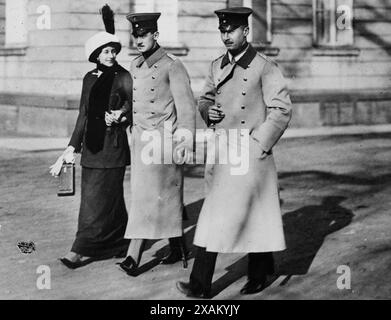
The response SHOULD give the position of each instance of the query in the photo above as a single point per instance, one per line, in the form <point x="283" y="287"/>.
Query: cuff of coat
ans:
<point x="267" y="135"/>
<point x="204" y="111"/>
<point x="73" y="143"/>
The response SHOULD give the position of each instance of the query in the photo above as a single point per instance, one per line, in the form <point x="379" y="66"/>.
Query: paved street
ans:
<point x="336" y="208"/>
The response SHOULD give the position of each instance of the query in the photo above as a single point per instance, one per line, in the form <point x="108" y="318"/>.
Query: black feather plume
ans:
<point x="108" y="18"/>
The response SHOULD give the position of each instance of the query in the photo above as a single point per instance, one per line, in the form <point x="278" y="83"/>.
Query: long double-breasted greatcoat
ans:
<point x="241" y="212"/>
<point x="163" y="102"/>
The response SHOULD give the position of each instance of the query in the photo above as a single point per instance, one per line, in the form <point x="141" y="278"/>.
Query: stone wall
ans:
<point x="328" y="87"/>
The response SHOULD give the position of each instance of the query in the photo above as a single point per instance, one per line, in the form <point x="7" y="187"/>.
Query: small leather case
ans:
<point x="66" y="181"/>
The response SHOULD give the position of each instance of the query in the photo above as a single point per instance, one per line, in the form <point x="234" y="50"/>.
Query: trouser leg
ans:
<point x="260" y="264"/>
<point x="203" y="269"/>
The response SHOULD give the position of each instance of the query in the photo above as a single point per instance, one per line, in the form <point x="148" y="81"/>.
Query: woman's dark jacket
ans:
<point x="115" y="152"/>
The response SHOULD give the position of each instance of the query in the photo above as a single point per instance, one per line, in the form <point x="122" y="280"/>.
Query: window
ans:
<point x="15" y="23"/>
<point x="2" y="22"/>
<point x="13" y="27"/>
<point x="167" y="23"/>
<point x="260" y="21"/>
<point x="332" y="23"/>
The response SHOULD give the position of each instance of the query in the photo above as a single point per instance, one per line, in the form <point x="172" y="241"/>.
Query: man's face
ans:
<point x="146" y="42"/>
<point x="107" y="56"/>
<point x="234" y="39"/>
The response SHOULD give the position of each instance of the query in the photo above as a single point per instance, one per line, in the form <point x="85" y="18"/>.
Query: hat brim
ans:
<point x="94" y="55"/>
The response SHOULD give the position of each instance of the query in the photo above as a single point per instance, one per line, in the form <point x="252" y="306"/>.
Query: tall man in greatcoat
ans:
<point x="163" y="125"/>
<point x="245" y="94"/>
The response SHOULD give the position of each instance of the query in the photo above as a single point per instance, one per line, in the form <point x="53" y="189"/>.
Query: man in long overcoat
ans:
<point x="245" y="95"/>
<point x="163" y="113"/>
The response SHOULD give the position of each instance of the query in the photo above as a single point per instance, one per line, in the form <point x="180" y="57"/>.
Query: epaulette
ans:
<point x="265" y="57"/>
<point x="172" y="56"/>
<point x="137" y="57"/>
<point x="219" y="57"/>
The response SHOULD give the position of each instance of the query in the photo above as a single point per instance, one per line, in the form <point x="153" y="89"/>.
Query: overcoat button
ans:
<point x="152" y="101"/>
<point x="152" y="89"/>
<point x="244" y="93"/>
<point x="245" y="79"/>
<point x="153" y="78"/>
<point x="243" y="107"/>
<point x="243" y="122"/>
<point x="218" y="91"/>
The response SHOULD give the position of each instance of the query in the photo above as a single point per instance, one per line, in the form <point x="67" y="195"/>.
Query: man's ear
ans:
<point x="246" y="31"/>
<point x="156" y="35"/>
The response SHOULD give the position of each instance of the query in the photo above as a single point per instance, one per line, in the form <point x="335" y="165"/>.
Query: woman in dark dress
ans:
<point x="100" y="136"/>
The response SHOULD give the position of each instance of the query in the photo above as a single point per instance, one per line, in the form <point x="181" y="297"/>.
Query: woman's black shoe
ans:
<point x="129" y="266"/>
<point x="77" y="264"/>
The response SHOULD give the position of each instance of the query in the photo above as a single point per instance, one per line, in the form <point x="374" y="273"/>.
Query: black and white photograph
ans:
<point x="211" y="152"/>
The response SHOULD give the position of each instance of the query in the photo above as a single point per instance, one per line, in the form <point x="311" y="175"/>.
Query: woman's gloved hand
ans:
<point x="67" y="156"/>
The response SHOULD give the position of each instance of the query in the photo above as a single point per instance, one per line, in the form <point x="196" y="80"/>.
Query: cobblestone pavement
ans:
<point x="336" y="208"/>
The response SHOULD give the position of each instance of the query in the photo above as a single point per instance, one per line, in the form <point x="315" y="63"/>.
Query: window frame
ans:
<point x="317" y="39"/>
<point x="262" y="46"/>
<point x="174" y="46"/>
<point x="14" y="48"/>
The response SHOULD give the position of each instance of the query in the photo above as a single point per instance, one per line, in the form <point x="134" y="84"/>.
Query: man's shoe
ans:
<point x="185" y="288"/>
<point x="129" y="266"/>
<point x="253" y="286"/>
<point x="178" y="252"/>
<point x="174" y="256"/>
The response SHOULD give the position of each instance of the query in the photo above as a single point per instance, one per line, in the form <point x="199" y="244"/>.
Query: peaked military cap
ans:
<point x="143" y="23"/>
<point x="232" y="18"/>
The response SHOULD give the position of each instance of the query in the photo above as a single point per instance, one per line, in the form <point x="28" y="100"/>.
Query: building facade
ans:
<point x="335" y="54"/>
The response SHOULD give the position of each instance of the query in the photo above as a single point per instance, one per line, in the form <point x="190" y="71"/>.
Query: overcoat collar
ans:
<point x="155" y="57"/>
<point x="227" y="68"/>
<point x="244" y="61"/>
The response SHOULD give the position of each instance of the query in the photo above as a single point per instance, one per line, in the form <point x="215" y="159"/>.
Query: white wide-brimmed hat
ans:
<point x="98" y="41"/>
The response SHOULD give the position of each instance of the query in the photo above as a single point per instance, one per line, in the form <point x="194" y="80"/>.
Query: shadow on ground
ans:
<point x="305" y="230"/>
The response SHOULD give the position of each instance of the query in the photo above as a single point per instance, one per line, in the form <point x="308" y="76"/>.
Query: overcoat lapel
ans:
<point x="227" y="69"/>
<point x="225" y="74"/>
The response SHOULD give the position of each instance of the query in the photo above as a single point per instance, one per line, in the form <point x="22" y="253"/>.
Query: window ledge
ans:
<point x="176" y="49"/>
<point x="266" y="49"/>
<point x="336" y="51"/>
<point x="13" y="51"/>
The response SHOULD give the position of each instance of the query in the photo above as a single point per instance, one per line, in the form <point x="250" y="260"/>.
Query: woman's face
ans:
<point x="107" y="56"/>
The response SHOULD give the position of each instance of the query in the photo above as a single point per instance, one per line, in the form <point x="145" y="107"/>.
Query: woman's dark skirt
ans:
<point x="103" y="216"/>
